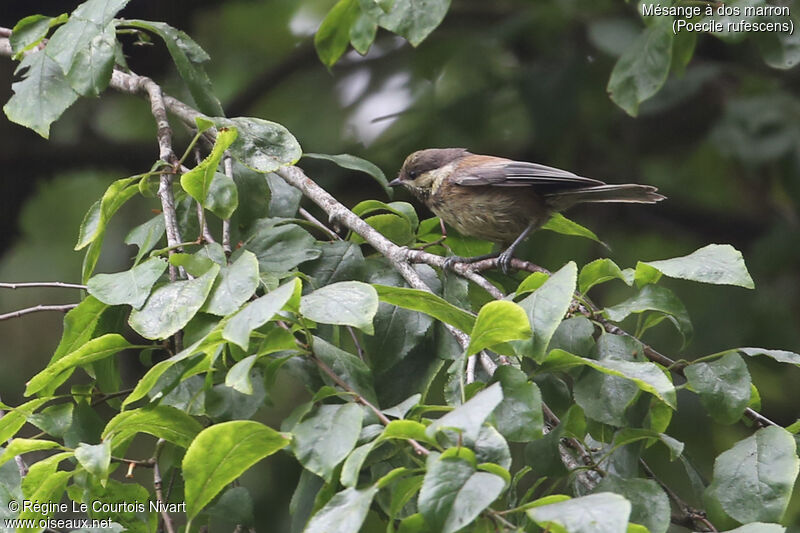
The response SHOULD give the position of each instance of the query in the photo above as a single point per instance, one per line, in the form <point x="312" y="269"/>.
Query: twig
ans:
<point x="690" y="515"/>
<point x="42" y="284"/>
<point x="35" y="309"/>
<point x="157" y="482"/>
<point x="470" y="372"/>
<point x="421" y="450"/>
<point x="227" y="164"/>
<point x="314" y="220"/>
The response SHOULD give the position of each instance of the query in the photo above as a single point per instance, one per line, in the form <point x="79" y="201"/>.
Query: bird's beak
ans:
<point x="395" y="182"/>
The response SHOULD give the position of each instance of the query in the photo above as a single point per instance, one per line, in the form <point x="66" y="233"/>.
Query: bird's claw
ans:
<point x="450" y="262"/>
<point x="504" y="261"/>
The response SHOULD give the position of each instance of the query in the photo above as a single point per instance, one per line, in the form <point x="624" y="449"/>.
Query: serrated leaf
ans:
<point x="220" y="454"/>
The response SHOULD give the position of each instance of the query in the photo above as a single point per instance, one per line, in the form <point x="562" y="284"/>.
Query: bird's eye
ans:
<point x="413" y="174"/>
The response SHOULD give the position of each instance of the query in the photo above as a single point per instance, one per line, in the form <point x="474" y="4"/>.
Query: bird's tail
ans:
<point x="629" y="192"/>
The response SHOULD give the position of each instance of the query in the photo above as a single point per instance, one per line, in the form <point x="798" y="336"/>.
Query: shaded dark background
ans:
<point x="519" y="79"/>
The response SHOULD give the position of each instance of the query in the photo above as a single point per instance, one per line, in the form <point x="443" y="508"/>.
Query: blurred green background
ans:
<point x="514" y="78"/>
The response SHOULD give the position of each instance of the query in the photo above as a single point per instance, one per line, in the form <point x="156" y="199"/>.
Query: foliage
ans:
<point x="405" y="429"/>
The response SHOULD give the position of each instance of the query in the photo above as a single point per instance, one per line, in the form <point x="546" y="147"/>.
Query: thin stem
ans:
<point x="227" y="165"/>
<point x="42" y="284"/>
<point x="37" y="308"/>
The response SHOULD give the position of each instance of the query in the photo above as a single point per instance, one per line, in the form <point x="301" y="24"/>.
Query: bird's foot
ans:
<point x="451" y="261"/>
<point x="504" y="261"/>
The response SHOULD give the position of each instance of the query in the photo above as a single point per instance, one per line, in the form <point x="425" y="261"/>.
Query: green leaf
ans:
<point x="238" y="377"/>
<point x="782" y="356"/>
<point x="647" y="376"/>
<point x="414" y="19"/>
<point x="194" y="264"/>
<point x="629" y="435"/>
<point x="262" y="145"/>
<point x="234" y="285"/>
<point x="93" y="227"/>
<point x="41" y="470"/>
<point x="497" y="322"/>
<point x="22" y="446"/>
<point x="406" y="429"/>
<point x="346" y="303"/>
<point x="650" y="505"/>
<point x="759" y="527"/>
<point x="723" y="386"/>
<point x="50" y="490"/>
<point x="131" y="287"/>
<point x="600" y="271"/>
<point x="642" y="70"/>
<point x="660" y="300"/>
<point x="780" y="50"/>
<point x="558" y="223"/>
<point x="188" y="57"/>
<point x="546" y="308"/>
<point x="197" y="182"/>
<point x="259" y="312"/>
<point x="90" y="72"/>
<point x="469" y="416"/>
<point x="15" y="418"/>
<point x="96" y="459"/>
<point x="170" y="307"/>
<point x="94" y="350"/>
<point x="325" y="437"/>
<point x="79" y="326"/>
<point x="519" y="416"/>
<point x="453" y="493"/>
<point x="720" y="264"/>
<point x="344" y="513"/>
<point x="280" y="248"/>
<point x="146" y="236"/>
<point x="597" y="513"/>
<point x="223" y="196"/>
<point x="362" y="33"/>
<point x="54" y="420"/>
<point x="42" y="96"/>
<point x="346" y="366"/>
<point x="333" y="35"/>
<point x="428" y="303"/>
<point x="30" y="31"/>
<point x="161" y="421"/>
<point x="339" y="261"/>
<point x="352" y="162"/>
<point x="753" y="480"/>
<point x="220" y="454"/>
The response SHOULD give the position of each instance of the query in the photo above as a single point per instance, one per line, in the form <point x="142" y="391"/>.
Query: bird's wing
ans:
<point x="510" y="173"/>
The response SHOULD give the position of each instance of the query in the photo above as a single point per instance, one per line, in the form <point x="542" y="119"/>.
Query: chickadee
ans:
<point x="501" y="200"/>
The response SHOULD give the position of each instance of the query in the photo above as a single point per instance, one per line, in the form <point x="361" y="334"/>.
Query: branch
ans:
<point x="42" y="284"/>
<point x="35" y="309"/>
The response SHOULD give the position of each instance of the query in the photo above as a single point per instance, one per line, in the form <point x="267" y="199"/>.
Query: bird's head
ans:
<point x="419" y="171"/>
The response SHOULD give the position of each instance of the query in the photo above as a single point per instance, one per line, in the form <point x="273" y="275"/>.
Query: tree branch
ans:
<point x="37" y="308"/>
<point x="57" y="284"/>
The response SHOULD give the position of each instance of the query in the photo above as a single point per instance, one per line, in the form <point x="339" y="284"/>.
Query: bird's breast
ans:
<point x="485" y="212"/>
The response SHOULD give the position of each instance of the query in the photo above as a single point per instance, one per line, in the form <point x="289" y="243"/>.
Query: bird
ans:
<point x="502" y="200"/>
